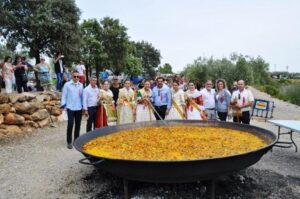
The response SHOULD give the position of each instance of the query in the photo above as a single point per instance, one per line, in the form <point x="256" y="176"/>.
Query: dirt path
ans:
<point x="40" y="166"/>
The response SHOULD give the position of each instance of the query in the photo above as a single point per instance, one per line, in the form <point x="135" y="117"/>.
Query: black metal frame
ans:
<point x="285" y="144"/>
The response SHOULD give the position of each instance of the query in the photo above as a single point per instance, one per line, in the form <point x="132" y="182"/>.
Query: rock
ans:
<point x="29" y="123"/>
<point x="54" y="119"/>
<point x="44" y="122"/>
<point x="13" y="118"/>
<point x="3" y="98"/>
<point x="55" y="111"/>
<point x="53" y="95"/>
<point x="27" y="117"/>
<point x="4" y="108"/>
<point x="40" y="115"/>
<point x="27" y="129"/>
<point x="26" y="96"/>
<point x="26" y="107"/>
<point x="12" y="109"/>
<point x="1" y="118"/>
<point x="13" y="97"/>
<point x="41" y="98"/>
<point x="13" y="129"/>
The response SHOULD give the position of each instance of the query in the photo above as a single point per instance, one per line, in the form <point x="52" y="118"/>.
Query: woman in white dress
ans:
<point x="8" y="74"/>
<point x="144" y="110"/>
<point x="126" y="104"/>
<point x="177" y="111"/>
<point x="195" y="109"/>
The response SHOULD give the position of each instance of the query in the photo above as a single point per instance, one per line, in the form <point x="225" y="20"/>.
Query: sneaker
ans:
<point x="70" y="146"/>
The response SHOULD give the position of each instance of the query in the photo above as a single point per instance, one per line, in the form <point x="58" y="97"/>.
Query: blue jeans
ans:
<point x="59" y="79"/>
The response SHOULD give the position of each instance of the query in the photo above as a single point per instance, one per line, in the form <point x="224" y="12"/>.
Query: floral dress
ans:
<point x="194" y="99"/>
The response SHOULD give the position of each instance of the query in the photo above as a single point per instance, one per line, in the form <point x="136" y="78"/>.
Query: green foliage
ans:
<point x="165" y="69"/>
<point x="149" y="55"/>
<point x="133" y="66"/>
<point x="252" y="70"/>
<point x="271" y="90"/>
<point x="41" y="26"/>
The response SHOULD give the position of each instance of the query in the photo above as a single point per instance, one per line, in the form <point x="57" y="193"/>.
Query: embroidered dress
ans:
<point x="125" y="107"/>
<point x="106" y="113"/>
<point x="174" y="113"/>
<point x="144" y="111"/>
<point x="195" y="99"/>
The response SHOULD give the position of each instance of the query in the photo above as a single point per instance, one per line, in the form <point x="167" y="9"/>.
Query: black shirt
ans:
<point x="115" y="91"/>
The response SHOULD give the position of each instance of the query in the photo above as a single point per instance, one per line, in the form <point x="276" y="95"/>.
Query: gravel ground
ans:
<point x="39" y="165"/>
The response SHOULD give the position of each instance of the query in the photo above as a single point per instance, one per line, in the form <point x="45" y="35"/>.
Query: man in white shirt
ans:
<point x="208" y="95"/>
<point x="81" y="70"/>
<point x="90" y="103"/>
<point x="242" y="101"/>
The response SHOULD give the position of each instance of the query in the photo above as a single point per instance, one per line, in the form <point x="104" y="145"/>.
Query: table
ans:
<point x="292" y="125"/>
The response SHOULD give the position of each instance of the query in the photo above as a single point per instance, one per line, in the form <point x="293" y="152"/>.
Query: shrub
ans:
<point x="271" y="90"/>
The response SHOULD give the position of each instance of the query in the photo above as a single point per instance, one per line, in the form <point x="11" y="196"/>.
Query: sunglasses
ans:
<point x="75" y="76"/>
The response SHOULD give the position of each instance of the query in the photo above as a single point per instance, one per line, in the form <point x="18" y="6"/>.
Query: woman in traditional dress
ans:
<point x="144" y="111"/>
<point x="106" y="113"/>
<point x="8" y="74"/>
<point x="195" y="109"/>
<point x="223" y="98"/>
<point x="43" y="70"/>
<point x="126" y="104"/>
<point x="177" y="111"/>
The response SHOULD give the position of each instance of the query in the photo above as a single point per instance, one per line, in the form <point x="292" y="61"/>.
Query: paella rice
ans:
<point x="183" y="143"/>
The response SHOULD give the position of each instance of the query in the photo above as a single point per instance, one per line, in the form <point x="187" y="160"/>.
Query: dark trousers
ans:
<point x="21" y="84"/>
<point x="59" y="80"/>
<point x="73" y="116"/>
<point x="161" y="110"/>
<point x="92" y="118"/>
<point x="222" y="116"/>
<point x="245" y="118"/>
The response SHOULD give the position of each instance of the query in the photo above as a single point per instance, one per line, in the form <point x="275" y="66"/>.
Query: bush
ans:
<point x="271" y="90"/>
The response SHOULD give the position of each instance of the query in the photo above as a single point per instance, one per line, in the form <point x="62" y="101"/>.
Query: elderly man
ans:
<point x="208" y="95"/>
<point x="161" y="98"/>
<point x="242" y="101"/>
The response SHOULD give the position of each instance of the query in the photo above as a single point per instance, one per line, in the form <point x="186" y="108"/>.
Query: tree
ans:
<point x="133" y="66"/>
<point x="150" y="57"/>
<point x="41" y="26"/>
<point x="165" y="69"/>
<point x="104" y="43"/>
<point x="115" y="42"/>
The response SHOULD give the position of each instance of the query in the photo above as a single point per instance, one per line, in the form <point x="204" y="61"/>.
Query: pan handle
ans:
<point x="83" y="161"/>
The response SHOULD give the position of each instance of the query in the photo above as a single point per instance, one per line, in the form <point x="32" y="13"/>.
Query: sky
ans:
<point x="184" y="30"/>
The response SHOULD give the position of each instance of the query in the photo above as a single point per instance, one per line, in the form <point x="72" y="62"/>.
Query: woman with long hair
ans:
<point x="20" y="74"/>
<point x="8" y="74"/>
<point x="223" y="97"/>
<point x="106" y="113"/>
<point x="144" y="110"/>
<point x="177" y="111"/>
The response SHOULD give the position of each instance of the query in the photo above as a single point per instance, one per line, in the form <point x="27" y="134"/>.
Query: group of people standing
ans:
<point x="112" y="105"/>
<point x="15" y="73"/>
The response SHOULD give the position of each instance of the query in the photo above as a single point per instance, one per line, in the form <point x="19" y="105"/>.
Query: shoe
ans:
<point x="70" y="146"/>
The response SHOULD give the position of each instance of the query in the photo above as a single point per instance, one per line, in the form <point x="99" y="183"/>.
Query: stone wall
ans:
<point x="25" y="112"/>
